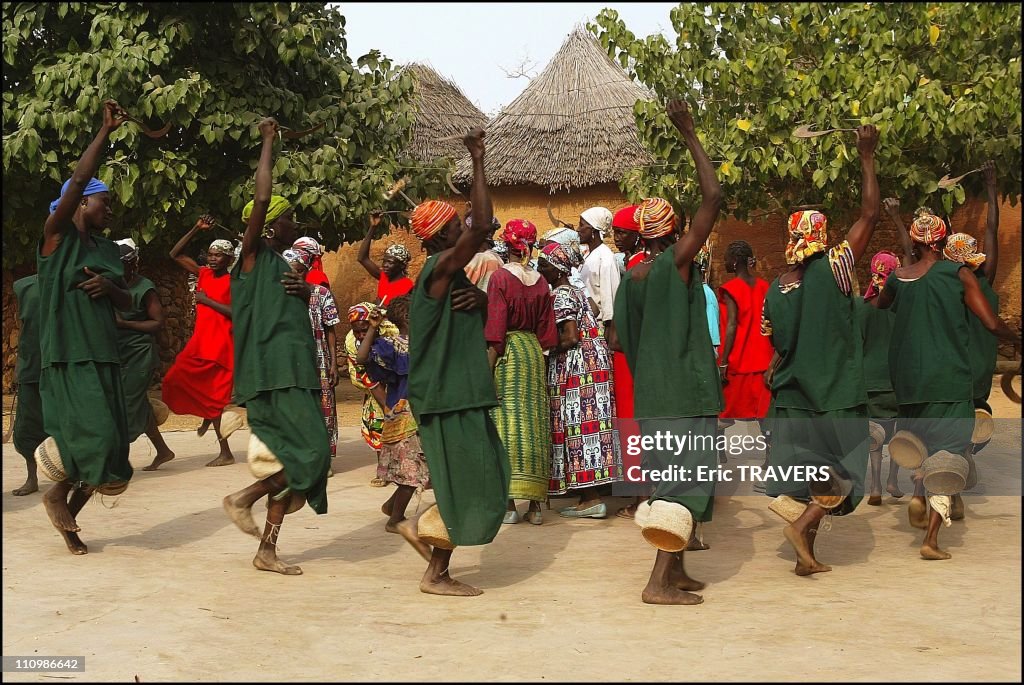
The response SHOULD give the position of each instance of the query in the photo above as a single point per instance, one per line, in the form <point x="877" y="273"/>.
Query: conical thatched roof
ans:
<point x="442" y="110"/>
<point x="572" y="127"/>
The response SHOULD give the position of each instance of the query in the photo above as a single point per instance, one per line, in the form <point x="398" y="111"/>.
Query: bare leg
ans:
<point x="163" y="452"/>
<point x="266" y="557"/>
<point x="204" y="427"/>
<point x="893" y="486"/>
<point x="389" y="505"/>
<point x="660" y="588"/>
<point x="695" y="544"/>
<point x="79" y="496"/>
<point x="225" y="457"/>
<point x="917" y="511"/>
<point x="239" y="505"/>
<point x="875" y="485"/>
<point x="436" y="580"/>
<point x="397" y="523"/>
<point x="679" y="579"/>
<point x="930" y="548"/>
<point x="956" y="509"/>
<point x="32" y="482"/>
<point x="800" y="535"/>
<point x="55" y="501"/>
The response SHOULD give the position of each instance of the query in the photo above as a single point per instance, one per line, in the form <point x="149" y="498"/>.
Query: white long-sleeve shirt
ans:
<point x="601" y="274"/>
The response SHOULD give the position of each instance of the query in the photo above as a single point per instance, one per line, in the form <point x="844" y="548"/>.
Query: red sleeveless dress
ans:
<point x="746" y="396"/>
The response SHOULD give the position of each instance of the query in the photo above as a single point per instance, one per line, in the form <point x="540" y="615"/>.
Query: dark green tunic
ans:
<point x="80" y="381"/>
<point x="662" y="325"/>
<point x="876" y="330"/>
<point x="139" y="361"/>
<point x="28" y="416"/>
<point x="819" y="400"/>
<point x="450" y="390"/>
<point x="984" y="345"/>
<point x="276" y="376"/>
<point x="929" y="357"/>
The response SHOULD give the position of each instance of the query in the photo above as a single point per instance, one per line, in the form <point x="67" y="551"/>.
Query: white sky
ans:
<point x="443" y="35"/>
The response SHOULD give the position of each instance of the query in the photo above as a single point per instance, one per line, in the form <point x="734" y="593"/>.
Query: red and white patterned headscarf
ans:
<point x="430" y="217"/>
<point x="520" y="235"/>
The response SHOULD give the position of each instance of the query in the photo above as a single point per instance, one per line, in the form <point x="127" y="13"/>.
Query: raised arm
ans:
<point x="59" y="220"/>
<point x="991" y="246"/>
<point x="710" y="191"/>
<point x="862" y="230"/>
<point x="203" y="223"/>
<point x="976" y="302"/>
<point x="891" y="206"/>
<point x="364" y="247"/>
<point x="251" y="241"/>
<point x="456" y="259"/>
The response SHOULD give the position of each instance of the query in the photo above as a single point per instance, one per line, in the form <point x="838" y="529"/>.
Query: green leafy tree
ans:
<point x="942" y="82"/>
<point x="212" y="71"/>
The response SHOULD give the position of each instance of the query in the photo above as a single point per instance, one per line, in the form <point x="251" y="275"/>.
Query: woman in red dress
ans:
<point x="201" y="380"/>
<point x="392" y="278"/>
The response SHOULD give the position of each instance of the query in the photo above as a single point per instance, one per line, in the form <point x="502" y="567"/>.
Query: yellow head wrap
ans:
<point x="278" y="206"/>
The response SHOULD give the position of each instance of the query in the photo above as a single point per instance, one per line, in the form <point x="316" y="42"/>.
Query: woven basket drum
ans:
<point x="907" y="450"/>
<point x="432" y="530"/>
<point x="48" y="459"/>
<point x="831" y="493"/>
<point x="984" y="427"/>
<point x="787" y="508"/>
<point x="160" y="411"/>
<point x="877" y="434"/>
<point x="230" y="421"/>
<point x="113" y="489"/>
<point x="668" y="526"/>
<point x="945" y="473"/>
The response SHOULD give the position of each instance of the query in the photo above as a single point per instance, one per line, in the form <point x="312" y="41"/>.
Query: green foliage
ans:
<point x="213" y="71"/>
<point x="942" y="82"/>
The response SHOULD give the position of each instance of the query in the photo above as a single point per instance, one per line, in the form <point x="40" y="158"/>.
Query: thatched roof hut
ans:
<point x="442" y="110"/>
<point x="572" y="127"/>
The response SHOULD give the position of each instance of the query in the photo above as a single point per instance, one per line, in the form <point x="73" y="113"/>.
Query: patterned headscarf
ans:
<point x="500" y="249"/>
<point x="927" y="228"/>
<point x="519" y="235"/>
<point x="277" y="208"/>
<point x="132" y="251"/>
<point x="963" y="248"/>
<point x="563" y="257"/>
<point x="625" y="219"/>
<point x="310" y="245"/>
<point x="398" y="253"/>
<point x="808" y="235"/>
<point x="598" y="217"/>
<point x="655" y="218"/>
<point x="303" y="257"/>
<point x="430" y="217"/>
<point x="562" y="236"/>
<point x="882" y="264"/>
<point x="360" y="312"/>
<point x="94" y="186"/>
<point x="222" y="246"/>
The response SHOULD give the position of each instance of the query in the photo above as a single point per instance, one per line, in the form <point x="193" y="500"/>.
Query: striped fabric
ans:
<point x="430" y="217"/>
<point x="522" y="418"/>
<point x="842" y="261"/>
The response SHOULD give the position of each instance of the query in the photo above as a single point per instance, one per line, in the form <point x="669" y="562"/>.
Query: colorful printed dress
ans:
<point x="585" y="447"/>
<point x="323" y="311"/>
<point x="372" y="419"/>
<point x="202" y="377"/>
<point x="401" y="456"/>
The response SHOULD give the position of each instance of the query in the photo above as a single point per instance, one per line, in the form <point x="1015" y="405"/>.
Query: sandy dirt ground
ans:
<point x="167" y="591"/>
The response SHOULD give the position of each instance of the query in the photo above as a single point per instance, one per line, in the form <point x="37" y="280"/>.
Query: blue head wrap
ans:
<point x="95" y="186"/>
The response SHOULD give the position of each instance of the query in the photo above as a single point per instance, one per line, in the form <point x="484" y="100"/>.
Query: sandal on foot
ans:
<point x="536" y="517"/>
<point x="626" y="512"/>
<point x="378" y="483"/>
<point x="598" y="511"/>
<point x="511" y="517"/>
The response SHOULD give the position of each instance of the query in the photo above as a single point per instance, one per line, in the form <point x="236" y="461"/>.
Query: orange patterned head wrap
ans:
<point x="655" y="218"/>
<point x="430" y="217"/>
<point x="963" y="248"/>
<point x="927" y="228"/>
<point x="808" y="235"/>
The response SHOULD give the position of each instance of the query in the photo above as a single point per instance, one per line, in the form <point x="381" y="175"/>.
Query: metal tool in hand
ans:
<point x="556" y="222"/>
<point x="146" y="131"/>
<point x="807" y="131"/>
<point x="289" y="134"/>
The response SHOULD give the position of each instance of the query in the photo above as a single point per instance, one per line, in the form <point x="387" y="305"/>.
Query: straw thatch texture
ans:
<point x="572" y="127"/>
<point x="442" y="110"/>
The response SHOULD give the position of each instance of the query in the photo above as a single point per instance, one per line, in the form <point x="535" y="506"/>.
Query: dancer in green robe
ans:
<point x="28" y="410"/>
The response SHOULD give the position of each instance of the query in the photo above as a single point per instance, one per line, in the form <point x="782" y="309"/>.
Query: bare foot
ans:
<point x="268" y="561"/>
<point x="875" y="500"/>
<point x="653" y="594"/>
<point x="74" y="543"/>
<point x="201" y="431"/>
<point x="446" y="585"/>
<point x="956" y="510"/>
<point x="933" y="553"/>
<point x="695" y="545"/>
<point x="242" y="516"/>
<point x="917" y="512"/>
<point x="627" y="512"/>
<point x="160" y="459"/>
<point x="407" y="530"/>
<point x="386" y="507"/>
<point x="894" y="490"/>
<point x="678" y="579"/>
<point x="31" y="485"/>
<point x="806" y="564"/>
<point x="57" y="509"/>
<point x="222" y="460"/>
